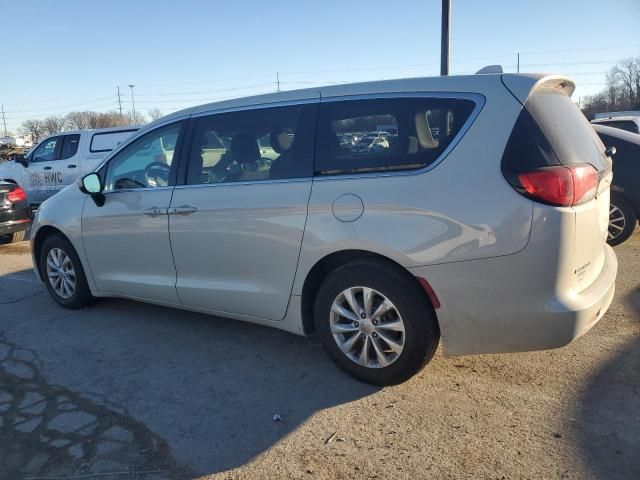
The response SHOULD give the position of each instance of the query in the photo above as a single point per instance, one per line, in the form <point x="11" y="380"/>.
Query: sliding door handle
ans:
<point x="183" y="210"/>
<point x="155" y="211"/>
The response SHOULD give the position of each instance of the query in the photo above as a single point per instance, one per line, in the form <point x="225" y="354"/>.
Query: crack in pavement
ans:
<point x="18" y="300"/>
<point x="54" y="431"/>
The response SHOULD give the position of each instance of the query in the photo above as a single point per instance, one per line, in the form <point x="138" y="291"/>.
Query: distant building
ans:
<point x="7" y="141"/>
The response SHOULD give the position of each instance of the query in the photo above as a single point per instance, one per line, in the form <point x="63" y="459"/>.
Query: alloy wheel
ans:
<point x="61" y="274"/>
<point x="617" y="222"/>
<point x="367" y="327"/>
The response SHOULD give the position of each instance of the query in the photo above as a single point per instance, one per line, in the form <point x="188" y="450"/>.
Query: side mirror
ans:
<point x="92" y="185"/>
<point x="22" y="160"/>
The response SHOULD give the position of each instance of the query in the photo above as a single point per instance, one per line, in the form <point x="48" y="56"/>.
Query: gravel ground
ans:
<point x="126" y="387"/>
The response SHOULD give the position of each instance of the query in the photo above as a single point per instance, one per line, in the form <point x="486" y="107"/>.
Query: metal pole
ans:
<point x="4" y="121"/>
<point x="133" y="103"/>
<point x="518" y="62"/>
<point x="444" y="39"/>
<point x="119" y="101"/>
<point x="278" y="80"/>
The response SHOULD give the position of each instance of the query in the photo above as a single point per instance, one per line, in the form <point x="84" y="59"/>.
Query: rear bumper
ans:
<point x="498" y="306"/>
<point x="14" y="226"/>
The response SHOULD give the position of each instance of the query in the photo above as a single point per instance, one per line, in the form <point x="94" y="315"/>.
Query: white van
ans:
<point x="60" y="159"/>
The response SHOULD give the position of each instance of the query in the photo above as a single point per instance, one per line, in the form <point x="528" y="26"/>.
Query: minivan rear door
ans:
<point x="236" y="225"/>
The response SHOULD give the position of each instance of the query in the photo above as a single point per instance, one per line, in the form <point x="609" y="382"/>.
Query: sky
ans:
<point x="72" y="55"/>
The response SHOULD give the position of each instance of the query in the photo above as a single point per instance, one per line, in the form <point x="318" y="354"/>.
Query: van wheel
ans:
<point x="375" y="322"/>
<point x="622" y="220"/>
<point x="62" y="273"/>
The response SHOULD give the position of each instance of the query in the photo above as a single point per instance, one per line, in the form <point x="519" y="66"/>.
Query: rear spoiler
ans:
<point x="522" y="86"/>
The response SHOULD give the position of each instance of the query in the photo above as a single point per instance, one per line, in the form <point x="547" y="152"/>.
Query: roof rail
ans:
<point x="490" y="69"/>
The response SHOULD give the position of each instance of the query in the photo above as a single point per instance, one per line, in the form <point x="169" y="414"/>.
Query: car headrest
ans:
<point x="281" y="141"/>
<point x="244" y="148"/>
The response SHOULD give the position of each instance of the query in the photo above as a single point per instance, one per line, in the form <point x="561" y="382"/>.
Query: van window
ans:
<point x="551" y="130"/>
<point x="386" y="134"/>
<point x="253" y="145"/>
<point x="69" y="146"/>
<point x="107" y="141"/>
<point x="148" y="162"/>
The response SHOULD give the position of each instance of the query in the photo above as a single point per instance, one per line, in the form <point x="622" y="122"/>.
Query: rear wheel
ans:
<point x="12" y="237"/>
<point x="63" y="274"/>
<point x="375" y="322"/>
<point x="622" y="220"/>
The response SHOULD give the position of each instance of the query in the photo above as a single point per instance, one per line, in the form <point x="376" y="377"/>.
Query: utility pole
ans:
<point x="4" y="121"/>
<point x="119" y="101"/>
<point x="133" y="104"/>
<point x="444" y="37"/>
<point x="518" y="70"/>
<point x="278" y="80"/>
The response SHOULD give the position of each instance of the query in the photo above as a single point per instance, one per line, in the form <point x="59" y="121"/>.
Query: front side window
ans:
<point x="252" y="145"/>
<point x="147" y="163"/>
<point x="386" y="134"/>
<point x="47" y="150"/>
<point x="69" y="146"/>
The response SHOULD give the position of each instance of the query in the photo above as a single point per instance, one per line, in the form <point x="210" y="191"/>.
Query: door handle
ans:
<point x="47" y="168"/>
<point x="71" y="166"/>
<point x="155" y="211"/>
<point x="183" y="210"/>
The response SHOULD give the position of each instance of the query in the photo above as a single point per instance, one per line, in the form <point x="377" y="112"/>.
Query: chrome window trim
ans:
<point x="141" y="189"/>
<point x="477" y="98"/>
<point x="248" y="182"/>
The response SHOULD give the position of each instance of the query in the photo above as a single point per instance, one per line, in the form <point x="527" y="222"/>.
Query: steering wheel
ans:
<point x="157" y="174"/>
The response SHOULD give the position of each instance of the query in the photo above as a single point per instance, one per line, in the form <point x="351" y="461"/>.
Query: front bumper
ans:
<point x="490" y="306"/>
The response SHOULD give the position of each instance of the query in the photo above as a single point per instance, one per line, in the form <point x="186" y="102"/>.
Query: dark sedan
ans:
<point x="15" y="214"/>
<point x="625" y="190"/>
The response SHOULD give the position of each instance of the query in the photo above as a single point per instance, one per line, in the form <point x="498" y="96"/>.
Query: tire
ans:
<point x="410" y="305"/>
<point x="81" y="295"/>
<point x="621" y="216"/>
<point x="12" y="237"/>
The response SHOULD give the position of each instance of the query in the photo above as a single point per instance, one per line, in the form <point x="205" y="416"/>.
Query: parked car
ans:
<point x="493" y="238"/>
<point x="60" y="159"/>
<point x="15" y="214"/>
<point x="625" y="190"/>
<point x="628" y="123"/>
<point x="370" y="145"/>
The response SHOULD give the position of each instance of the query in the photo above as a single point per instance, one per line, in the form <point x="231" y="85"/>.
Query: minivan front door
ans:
<point x="236" y="227"/>
<point x="127" y="238"/>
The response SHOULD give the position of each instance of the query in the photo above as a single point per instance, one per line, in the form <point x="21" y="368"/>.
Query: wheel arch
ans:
<point x="327" y="264"/>
<point x="42" y="234"/>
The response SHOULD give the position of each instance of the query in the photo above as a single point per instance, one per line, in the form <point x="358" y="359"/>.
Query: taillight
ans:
<point x="561" y="185"/>
<point x="16" y="195"/>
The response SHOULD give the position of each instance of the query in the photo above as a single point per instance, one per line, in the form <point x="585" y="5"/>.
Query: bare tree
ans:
<point x="34" y="128"/>
<point x="138" y="119"/>
<point x="622" y="91"/>
<point x="154" y="114"/>
<point x="53" y="124"/>
<point x="77" y="121"/>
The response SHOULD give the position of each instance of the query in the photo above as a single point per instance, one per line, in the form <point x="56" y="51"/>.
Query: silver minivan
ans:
<point x="481" y="221"/>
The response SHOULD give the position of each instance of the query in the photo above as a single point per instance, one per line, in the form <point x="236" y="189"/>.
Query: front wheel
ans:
<point x="12" y="237"/>
<point x="622" y="220"/>
<point x="375" y="322"/>
<point x="63" y="274"/>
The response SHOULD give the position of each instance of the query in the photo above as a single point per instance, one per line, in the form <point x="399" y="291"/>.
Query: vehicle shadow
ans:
<point x="607" y="418"/>
<point x="189" y="394"/>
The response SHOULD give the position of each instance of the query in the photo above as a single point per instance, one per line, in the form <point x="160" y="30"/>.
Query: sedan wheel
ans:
<point x="622" y="220"/>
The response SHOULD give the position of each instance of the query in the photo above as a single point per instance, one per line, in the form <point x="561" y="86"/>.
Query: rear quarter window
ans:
<point x="107" y="141"/>
<point x="359" y="136"/>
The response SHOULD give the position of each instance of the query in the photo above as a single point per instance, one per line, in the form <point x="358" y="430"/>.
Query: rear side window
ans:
<point x="386" y="134"/>
<point x="550" y="130"/>
<point x="107" y="141"/>
<point x="69" y="146"/>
